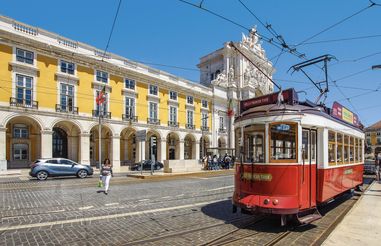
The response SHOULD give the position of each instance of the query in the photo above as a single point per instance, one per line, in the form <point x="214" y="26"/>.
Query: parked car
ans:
<point x="147" y="166"/>
<point x="54" y="167"/>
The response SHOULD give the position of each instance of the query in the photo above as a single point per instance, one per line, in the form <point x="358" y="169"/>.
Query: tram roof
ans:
<point x="268" y="106"/>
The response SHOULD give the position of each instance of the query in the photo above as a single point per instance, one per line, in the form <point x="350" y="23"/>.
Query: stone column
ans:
<point x="140" y="150"/>
<point x="3" y="149"/>
<point x="163" y="150"/>
<point x="46" y="144"/>
<point x="181" y="151"/>
<point x="85" y="149"/>
<point x="197" y="150"/>
<point x="115" y="159"/>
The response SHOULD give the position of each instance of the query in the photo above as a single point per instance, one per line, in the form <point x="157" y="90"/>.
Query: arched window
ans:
<point x="59" y="143"/>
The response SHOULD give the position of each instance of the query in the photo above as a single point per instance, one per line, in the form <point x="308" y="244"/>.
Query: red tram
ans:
<point x="295" y="156"/>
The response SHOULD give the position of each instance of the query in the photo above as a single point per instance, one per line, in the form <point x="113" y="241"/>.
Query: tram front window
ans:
<point x="254" y="143"/>
<point x="283" y="141"/>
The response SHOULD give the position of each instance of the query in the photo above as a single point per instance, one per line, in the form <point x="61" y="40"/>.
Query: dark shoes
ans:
<point x="106" y="192"/>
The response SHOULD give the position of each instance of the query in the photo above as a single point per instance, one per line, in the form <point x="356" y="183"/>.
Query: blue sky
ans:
<point x="172" y="33"/>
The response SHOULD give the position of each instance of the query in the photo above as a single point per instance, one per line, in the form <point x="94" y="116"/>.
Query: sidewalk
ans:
<point x="362" y="225"/>
<point x="124" y="171"/>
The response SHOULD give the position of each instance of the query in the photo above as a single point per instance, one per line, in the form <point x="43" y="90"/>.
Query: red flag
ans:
<point x="230" y="108"/>
<point x="101" y="96"/>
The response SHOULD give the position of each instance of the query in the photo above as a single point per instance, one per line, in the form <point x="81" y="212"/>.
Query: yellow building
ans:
<point x="373" y="138"/>
<point x="48" y="90"/>
<point x="49" y="87"/>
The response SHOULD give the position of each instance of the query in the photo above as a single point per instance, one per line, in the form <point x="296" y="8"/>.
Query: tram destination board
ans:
<point x="289" y="96"/>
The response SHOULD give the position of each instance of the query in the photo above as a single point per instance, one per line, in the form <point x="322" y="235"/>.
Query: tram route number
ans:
<point x="257" y="176"/>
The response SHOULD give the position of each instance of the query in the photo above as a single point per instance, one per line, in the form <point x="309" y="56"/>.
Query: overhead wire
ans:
<point x="337" y="23"/>
<point x="112" y="29"/>
<point x="343" y="39"/>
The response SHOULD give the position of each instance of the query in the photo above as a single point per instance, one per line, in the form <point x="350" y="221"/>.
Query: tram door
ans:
<point x="308" y="176"/>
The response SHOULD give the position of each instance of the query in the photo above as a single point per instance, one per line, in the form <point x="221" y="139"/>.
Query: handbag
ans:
<point x="100" y="184"/>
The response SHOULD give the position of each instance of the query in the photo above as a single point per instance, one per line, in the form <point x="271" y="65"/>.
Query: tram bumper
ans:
<point x="267" y="204"/>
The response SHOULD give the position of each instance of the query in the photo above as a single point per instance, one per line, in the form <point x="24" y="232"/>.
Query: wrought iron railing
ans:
<point x="153" y="121"/>
<point x="222" y="130"/>
<point x="131" y="118"/>
<point x="205" y="128"/>
<point x="173" y="123"/>
<point x="104" y="114"/>
<point x="66" y="109"/>
<point x="189" y="126"/>
<point x="23" y="103"/>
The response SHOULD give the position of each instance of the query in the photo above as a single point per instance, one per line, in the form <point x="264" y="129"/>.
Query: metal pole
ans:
<point x="100" y="139"/>
<point x="141" y="157"/>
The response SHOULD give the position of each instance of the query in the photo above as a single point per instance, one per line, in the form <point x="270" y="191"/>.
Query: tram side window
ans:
<point x="346" y="149"/>
<point x="331" y="148"/>
<point x="283" y="142"/>
<point x="255" y="151"/>
<point x="361" y="150"/>
<point x="339" y="142"/>
<point x="351" y="149"/>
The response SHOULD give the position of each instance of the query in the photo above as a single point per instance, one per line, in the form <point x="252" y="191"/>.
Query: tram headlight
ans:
<point x="275" y="201"/>
<point x="266" y="201"/>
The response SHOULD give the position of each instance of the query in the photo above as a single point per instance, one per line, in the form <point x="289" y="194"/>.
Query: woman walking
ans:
<point x="106" y="174"/>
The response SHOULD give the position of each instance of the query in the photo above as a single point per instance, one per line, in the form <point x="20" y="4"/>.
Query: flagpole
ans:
<point x="100" y="138"/>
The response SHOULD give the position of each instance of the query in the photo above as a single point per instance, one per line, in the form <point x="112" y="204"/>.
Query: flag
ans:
<point x="101" y="96"/>
<point x="230" y="108"/>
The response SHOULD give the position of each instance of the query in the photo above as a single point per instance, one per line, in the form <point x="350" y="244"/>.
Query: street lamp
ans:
<point x="375" y="67"/>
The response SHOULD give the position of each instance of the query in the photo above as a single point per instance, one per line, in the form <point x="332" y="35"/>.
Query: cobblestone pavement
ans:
<point x="188" y="211"/>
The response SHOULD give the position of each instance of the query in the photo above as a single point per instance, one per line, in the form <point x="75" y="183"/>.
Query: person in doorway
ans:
<point x="106" y="173"/>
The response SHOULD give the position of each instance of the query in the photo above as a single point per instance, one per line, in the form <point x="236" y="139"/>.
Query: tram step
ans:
<point x="307" y="217"/>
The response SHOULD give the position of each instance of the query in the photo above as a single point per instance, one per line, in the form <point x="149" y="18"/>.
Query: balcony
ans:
<point x="106" y="115"/>
<point x="204" y="128"/>
<point x="66" y="109"/>
<point x="23" y="103"/>
<point x="153" y="121"/>
<point x="130" y="118"/>
<point x="222" y="130"/>
<point x="189" y="126"/>
<point x="173" y="124"/>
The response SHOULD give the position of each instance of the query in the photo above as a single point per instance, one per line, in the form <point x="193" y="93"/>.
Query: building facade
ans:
<point x="373" y="139"/>
<point x="48" y="107"/>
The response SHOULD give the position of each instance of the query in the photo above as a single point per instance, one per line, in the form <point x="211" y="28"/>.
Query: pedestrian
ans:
<point x="106" y="173"/>
<point x="378" y="167"/>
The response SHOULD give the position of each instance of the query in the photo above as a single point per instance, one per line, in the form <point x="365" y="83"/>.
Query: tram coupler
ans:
<point x="283" y="220"/>
<point x="234" y="209"/>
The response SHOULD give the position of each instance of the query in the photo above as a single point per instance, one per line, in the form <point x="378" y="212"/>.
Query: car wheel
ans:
<point x="158" y="167"/>
<point x="139" y="168"/>
<point x="42" y="175"/>
<point x="82" y="174"/>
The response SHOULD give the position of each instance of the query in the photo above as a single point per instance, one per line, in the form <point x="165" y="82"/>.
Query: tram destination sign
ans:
<point x="289" y="96"/>
<point x="342" y="113"/>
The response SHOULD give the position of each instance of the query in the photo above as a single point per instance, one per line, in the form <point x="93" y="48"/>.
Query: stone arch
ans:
<point x="106" y="144"/>
<point x="109" y="126"/>
<point x="9" y="117"/>
<point x="128" y="146"/>
<point x="204" y="145"/>
<point x="156" y="137"/>
<point x="73" y="122"/>
<point x="173" y="146"/>
<point x="23" y="140"/>
<point x="66" y="146"/>
<point x="189" y="146"/>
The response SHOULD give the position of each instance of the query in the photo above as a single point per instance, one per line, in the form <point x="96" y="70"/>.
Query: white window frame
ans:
<point x="170" y="95"/>
<point x="157" y="90"/>
<point x="127" y="98"/>
<point x="170" y="114"/>
<point x="60" y="93"/>
<point x="190" y="111"/>
<point x="202" y="103"/>
<point x="67" y="62"/>
<point x="102" y="72"/>
<point x="204" y="119"/>
<point x="157" y="110"/>
<point x="188" y="99"/>
<point x="221" y="122"/>
<point x="130" y="80"/>
<point x="23" y="62"/>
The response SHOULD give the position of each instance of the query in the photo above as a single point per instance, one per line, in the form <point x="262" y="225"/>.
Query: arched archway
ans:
<point x="128" y="146"/>
<point x="66" y="140"/>
<point x="205" y="144"/>
<point x="23" y="141"/>
<point x="153" y="146"/>
<point x="221" y="144"/>
<point x="106" y="144"/>
<point x="59" y="143"/>
<point x="173" y="148"/>
<point x="189" y="147"/>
